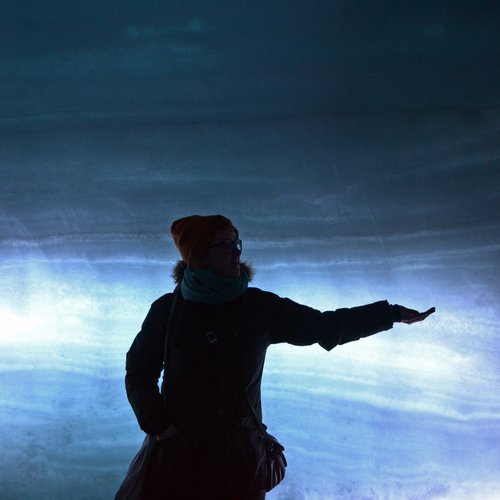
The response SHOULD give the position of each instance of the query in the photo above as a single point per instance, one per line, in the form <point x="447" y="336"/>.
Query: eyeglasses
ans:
<point x="230" y="245"/>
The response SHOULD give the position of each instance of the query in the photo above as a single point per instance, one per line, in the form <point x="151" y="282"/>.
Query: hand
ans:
<point x="409" y="316"/>
<point x="170" y="431"/>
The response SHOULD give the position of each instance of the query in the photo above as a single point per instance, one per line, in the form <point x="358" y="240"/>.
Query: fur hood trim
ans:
<point x="180" y="267"/>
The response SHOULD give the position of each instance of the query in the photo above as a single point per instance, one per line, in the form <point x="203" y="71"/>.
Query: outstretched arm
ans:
<point x="297" y="324"/>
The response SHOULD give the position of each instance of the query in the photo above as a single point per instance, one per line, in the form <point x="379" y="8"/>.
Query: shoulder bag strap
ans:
<point x="172" y="324"/>
<point x="259" y="423"/>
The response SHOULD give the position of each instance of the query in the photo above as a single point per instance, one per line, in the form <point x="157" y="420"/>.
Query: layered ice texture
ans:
<point x="332" y="218"/>
<point x="356" y="149"/>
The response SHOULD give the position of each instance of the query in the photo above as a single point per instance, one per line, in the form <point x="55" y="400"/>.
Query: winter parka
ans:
<point x="215" y="363"/>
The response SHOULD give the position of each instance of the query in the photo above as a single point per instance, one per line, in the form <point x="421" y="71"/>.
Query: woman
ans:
<point x="209" y="443"/>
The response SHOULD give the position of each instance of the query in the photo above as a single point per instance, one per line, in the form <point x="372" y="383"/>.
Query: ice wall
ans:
<point x="356" y="148"/>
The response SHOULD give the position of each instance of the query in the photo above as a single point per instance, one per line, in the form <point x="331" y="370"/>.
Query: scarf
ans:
<point x="203" y="285"/>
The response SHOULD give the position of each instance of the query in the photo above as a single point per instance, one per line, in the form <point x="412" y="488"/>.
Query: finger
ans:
<point x="428" y="312"/>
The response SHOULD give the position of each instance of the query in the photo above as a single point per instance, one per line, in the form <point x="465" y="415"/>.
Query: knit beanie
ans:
<point x="193" y="234"/>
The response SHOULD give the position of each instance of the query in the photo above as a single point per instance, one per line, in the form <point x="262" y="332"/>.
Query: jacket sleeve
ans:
<point x="143" y="368"/>
<point x="288" y="321"/>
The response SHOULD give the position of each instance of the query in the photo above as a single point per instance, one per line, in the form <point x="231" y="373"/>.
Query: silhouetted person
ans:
<point x="209" y="446"/>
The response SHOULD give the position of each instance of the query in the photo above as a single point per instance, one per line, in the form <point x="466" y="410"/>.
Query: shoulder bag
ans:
<point x="275" y="462"/>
